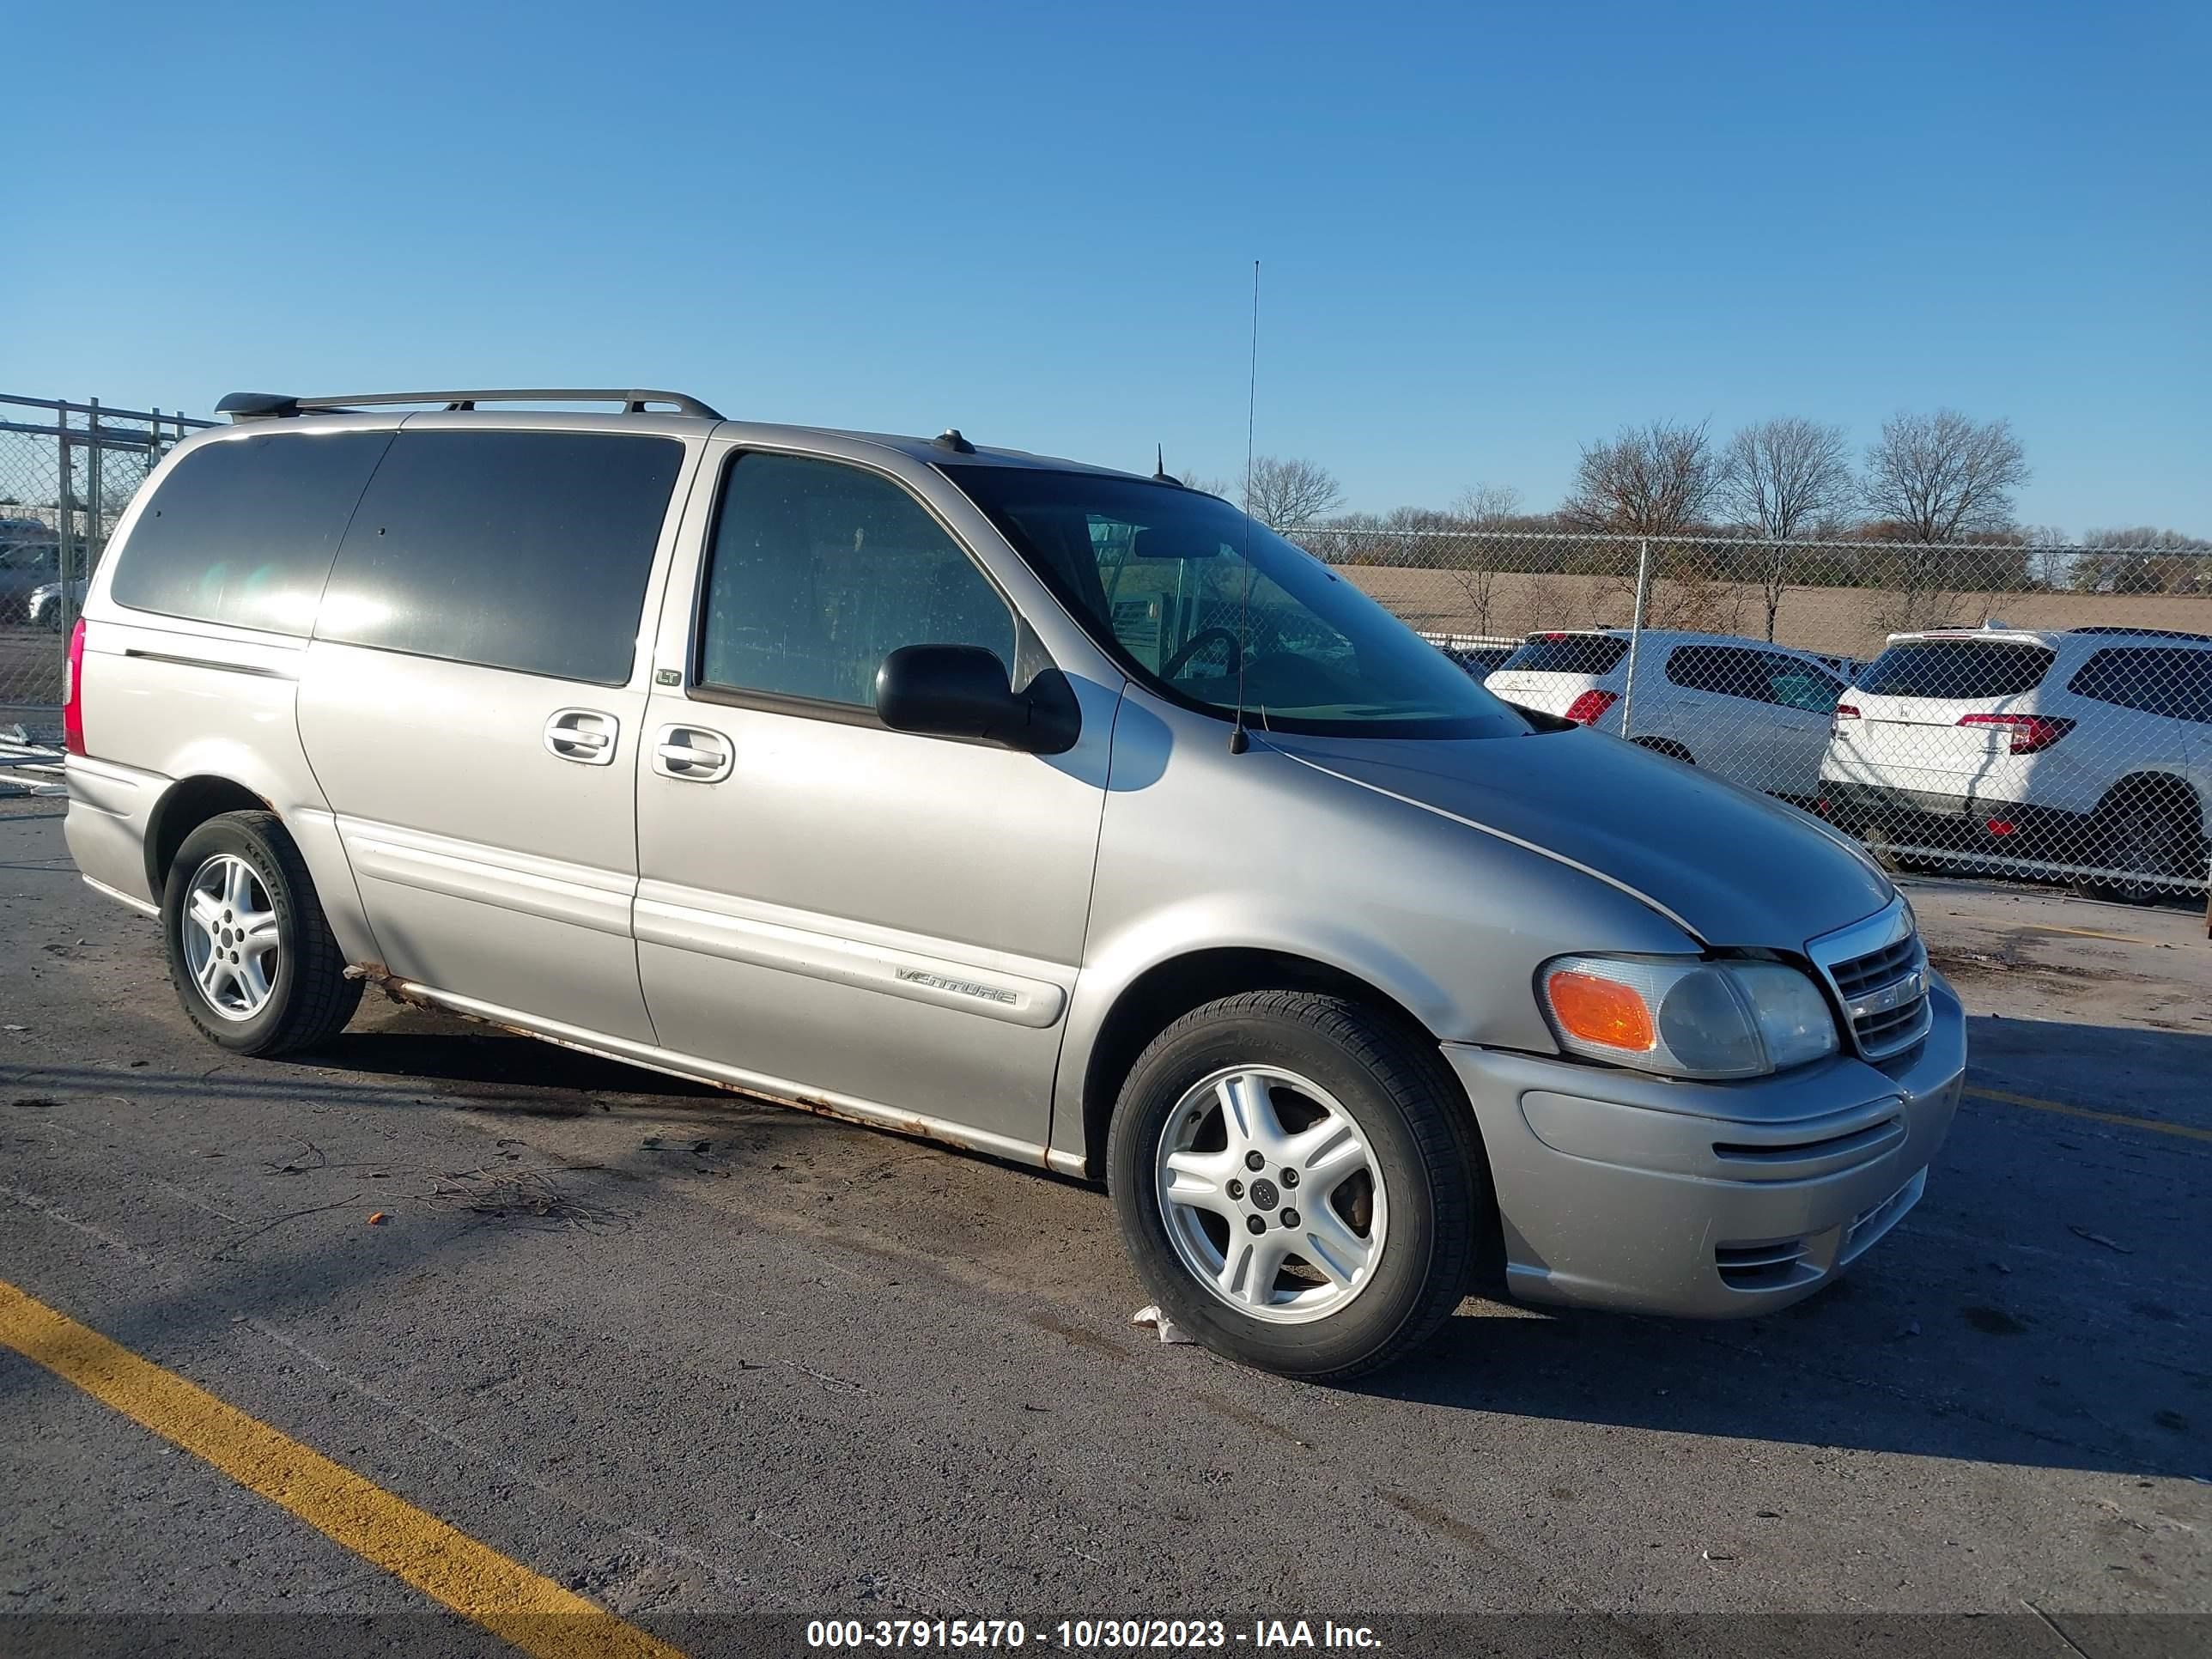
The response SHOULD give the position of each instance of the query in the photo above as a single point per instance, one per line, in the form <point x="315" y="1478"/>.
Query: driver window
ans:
<point x="821" y="570"/>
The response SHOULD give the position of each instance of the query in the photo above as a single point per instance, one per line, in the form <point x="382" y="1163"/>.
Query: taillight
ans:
<point x="2030" y="733"/>
<point x="1590" y="708"/>
<point x="1847" y="711"/>
<point x="73" y="693"/>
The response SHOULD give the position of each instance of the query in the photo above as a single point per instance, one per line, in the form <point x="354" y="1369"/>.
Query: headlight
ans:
<point x="1686" y="1018"/>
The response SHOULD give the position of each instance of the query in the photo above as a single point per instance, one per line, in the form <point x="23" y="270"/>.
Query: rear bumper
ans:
<point x="1923" y="817"/>
<point x="111" y="814"/>
<point x="1711" y="1201"/>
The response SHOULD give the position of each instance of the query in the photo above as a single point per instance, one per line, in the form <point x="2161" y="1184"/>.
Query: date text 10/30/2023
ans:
<point x="1091" y="1635"/>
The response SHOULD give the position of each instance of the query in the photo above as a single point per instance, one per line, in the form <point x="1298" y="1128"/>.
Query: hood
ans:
<point x="1736" y="868"/>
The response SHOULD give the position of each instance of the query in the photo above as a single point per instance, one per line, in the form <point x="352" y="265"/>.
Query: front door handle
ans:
<point x="692" y="753"/>
<point x="582" y="735"/>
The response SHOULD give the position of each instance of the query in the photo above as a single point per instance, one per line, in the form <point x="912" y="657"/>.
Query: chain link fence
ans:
<point x="1988" y="707"/>
<point x="1992" y="708"/>
<point x="67" y="471"/>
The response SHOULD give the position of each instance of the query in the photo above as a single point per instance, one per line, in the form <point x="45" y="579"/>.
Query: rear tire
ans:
<point x="2146" y="831"/>
<point x="251" y="954"/>
<point x="1368" y="1242"/>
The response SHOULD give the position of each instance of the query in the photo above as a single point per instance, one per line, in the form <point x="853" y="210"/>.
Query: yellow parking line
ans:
<point x="2090" y="933"/>
<point x="473" y="1579"/>
<point x="2184" y="1131"/>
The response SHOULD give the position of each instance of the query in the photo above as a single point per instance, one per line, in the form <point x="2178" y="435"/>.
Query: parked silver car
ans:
<point x="30" y="557"/>
<point x="44" y="608"/>
<point x="1057" y="812"/>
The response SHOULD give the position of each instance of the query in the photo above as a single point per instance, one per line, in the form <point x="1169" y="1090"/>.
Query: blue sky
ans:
<point x="1488" y="235"/>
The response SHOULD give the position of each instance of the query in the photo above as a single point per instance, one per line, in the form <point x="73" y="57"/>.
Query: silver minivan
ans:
<point x="1061" y="813"/>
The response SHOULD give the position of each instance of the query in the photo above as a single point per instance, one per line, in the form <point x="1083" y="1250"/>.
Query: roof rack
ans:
<point x="272" y="405"/>
<point x="2147" y="633"/>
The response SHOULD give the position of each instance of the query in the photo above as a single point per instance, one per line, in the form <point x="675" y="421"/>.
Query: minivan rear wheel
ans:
<point x="1297" y="1184"/>
<point x="251" y="954"/>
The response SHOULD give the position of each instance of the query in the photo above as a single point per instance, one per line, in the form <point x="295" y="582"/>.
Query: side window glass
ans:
<point x="2155" y="681"/>
<point x="2196" y="688"/>
<point x="821" y="570"/>
<point x="1691" y="666"/>
<point x="1796" y="685"/>
<point x="243" y="530"/>
<point x="527" y="550"/>
<point x="1719" y="669"/>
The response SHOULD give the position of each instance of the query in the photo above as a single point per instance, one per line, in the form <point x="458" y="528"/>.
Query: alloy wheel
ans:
<point x="1273" y="1199"/>
<point x="228" y="931"/>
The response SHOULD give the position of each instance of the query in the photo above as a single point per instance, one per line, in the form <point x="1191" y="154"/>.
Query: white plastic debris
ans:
<point x="1159" y="1321"/>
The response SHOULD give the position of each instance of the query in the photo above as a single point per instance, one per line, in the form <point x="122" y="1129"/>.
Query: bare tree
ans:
<point x="1654" y="480"/>
<point x="1485" y="506"/>
<point x="1472" y="567"/>
<point x="1284" y="493"/>
<point x="1944" y="475"/>
<point x="1190" y="478"/>
<point x="1779" y="477"/>
<point x="2143" y="559"/>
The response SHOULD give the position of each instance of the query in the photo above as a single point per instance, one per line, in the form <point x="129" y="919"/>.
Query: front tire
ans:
<point x="251" y="954"/>
<point x="1350" y="1240"/>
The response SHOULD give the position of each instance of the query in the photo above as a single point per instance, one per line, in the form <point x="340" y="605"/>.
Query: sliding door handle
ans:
<point x="583" y="735"/>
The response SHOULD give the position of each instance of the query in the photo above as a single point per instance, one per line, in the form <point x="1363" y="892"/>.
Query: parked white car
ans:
<point x="1754" y="714"/>
<point x="2090" y="748"/>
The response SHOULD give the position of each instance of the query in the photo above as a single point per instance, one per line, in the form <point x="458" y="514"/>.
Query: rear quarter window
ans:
<point x="243" y="532"/>
<point x="1567" y="653"/>
<point x="1966" y="669"/>
<point x="2156" y="679"/>
<point x="526" y="550"/>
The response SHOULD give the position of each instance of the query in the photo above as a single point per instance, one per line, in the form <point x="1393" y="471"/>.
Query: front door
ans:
<point x="884" y="923"/>
<point x="472" y="705"/>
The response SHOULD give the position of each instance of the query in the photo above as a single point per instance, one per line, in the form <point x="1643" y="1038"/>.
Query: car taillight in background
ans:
<point x="1844" y="711"/>
<point x="2030" y="733"/>
<point x="1590" y="708"/>
<point x="73" y="693"/>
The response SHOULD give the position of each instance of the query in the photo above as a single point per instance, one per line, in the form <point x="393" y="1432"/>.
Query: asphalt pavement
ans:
<point x="696" y="1359"/>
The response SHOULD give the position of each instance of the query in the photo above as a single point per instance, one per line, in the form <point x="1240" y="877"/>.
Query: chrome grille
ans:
<point x="1875" y="968"/>
<point x="1880" y="972"/>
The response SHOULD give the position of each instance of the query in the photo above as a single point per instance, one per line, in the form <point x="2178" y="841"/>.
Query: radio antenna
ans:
<point x="1238" y="742"/>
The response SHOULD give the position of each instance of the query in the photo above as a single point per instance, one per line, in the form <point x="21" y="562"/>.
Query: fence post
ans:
<point x="96" y="536"/>
<point x="62" y="513"/>
<point x="1636" y="630"/>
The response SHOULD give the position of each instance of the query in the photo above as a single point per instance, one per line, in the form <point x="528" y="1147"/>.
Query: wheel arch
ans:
<point x="184" y="806"/>
<point x="2158" y="784"/>
<point x="1166" y="991"/>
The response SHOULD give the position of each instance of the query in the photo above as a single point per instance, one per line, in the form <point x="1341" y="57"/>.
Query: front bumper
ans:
<point x="1714" y="1201"/>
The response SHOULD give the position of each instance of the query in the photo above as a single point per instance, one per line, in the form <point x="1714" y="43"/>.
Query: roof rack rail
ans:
<point x="2146" y="633"/>
<point x="271" y="405"/>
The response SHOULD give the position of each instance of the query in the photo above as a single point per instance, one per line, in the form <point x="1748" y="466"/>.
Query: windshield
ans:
<point x="1158" y="576"/>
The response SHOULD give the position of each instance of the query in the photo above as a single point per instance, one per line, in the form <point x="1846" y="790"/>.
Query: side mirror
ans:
<point x="961" y="691"/>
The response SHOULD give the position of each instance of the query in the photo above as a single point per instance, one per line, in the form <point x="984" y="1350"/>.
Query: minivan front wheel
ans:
<point x="250" y="955"/>
<point x="1297" y="1183"/>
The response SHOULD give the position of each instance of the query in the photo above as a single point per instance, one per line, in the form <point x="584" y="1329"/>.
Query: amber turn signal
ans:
<point x="1601" y="1011"/>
